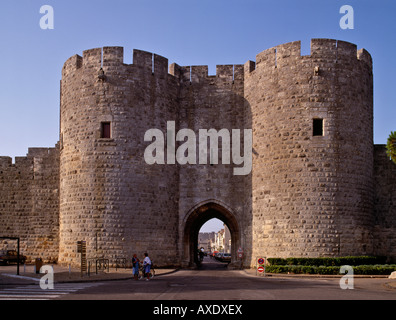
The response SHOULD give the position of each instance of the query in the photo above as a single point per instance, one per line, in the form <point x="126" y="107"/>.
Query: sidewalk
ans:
<point x="391" y="284"/>
<point x="8" y="274"/>
<point x="253" y="272"/>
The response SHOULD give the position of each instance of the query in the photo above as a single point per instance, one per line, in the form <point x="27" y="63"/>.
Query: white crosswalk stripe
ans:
<point x="34" y="292"/>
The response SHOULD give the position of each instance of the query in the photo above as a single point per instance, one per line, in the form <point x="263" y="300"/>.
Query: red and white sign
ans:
<point x="260" y="269"/>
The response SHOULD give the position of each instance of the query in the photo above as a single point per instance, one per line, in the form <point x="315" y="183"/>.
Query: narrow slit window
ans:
<point x="105" y="130"/>
<point x="317" y="127"/>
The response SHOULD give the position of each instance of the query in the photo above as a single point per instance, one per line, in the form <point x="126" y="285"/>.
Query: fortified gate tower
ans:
<point x="310" y="190"/>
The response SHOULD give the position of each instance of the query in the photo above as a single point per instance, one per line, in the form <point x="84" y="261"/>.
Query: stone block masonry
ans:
<point x="312" y="194"/>
<point x="384" y="203"/>
<point x="318" y="186"/>
<point x="29" y="203"/>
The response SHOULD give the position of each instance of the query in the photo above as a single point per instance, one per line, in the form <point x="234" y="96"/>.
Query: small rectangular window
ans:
<point x="317" y="127"/>
<point x="105" y="130"/>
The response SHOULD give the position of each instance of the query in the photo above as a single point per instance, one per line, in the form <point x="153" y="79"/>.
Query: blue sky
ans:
<point x="188" y="32"/>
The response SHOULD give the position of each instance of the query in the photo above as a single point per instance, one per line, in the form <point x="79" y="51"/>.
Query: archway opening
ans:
<point x="214" y="244"/>
<point x="196" y="219"/>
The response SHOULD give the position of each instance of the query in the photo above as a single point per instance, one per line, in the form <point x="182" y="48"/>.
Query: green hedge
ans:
<point x="362" y="265"/>
<point x="327" y="262"/>
<point x="332" y="270"/>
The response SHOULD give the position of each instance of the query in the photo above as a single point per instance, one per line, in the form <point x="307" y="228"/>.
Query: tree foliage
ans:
<point x="391" y="146"/>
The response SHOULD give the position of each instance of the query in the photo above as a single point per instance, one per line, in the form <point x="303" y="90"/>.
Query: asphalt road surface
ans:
<point x="212" y="282"/>
<point x="215" y="282"/>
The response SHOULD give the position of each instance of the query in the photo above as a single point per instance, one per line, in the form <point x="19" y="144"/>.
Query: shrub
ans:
<point x="338" y="261"/>
<point x="332" y="270"/>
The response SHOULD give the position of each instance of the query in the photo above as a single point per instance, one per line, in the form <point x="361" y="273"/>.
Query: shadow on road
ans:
<point x="212" y="264"/>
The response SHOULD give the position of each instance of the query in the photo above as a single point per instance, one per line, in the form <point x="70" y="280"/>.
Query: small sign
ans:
<point x="82" y="248"/>
<point x="260" y="261"/>
<point x="260" y="269"/>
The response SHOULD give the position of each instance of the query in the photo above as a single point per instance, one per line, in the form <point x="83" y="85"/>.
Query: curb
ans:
<point x="35" y="280"/>
<point x="310" y="276"/>
<point x="114" y="279"/>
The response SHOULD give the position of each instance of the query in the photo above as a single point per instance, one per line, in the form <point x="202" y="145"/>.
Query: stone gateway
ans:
<point x="318" y="186"/>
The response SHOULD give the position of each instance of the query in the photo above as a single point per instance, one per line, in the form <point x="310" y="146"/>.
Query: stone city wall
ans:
<point x="385" y="203"/>
<point x="313" y="190"/>
<point x="29" y="203"/>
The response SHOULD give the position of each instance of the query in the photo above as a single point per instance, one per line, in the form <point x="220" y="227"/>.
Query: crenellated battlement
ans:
<point x="5" y="162"/>
<point x="196" y="74"/>
<point x="111" y="57"/>
<point x="25" y="162"/>
<point x="21" y="163"/>
<point x="280" y="56"/>
<point x="321" y="49"/>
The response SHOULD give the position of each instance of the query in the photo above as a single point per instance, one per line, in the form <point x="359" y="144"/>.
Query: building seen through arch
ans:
<point x="215" y="241"/>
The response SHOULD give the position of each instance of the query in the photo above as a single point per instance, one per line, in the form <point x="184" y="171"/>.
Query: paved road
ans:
<point x="34" y="292"/>
<point x="214" y="282"/>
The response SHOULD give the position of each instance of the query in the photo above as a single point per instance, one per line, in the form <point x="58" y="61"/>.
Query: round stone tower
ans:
<point x="310" y="191"/>
<point x="109" y="196"/>
<point x="312" y="177"/>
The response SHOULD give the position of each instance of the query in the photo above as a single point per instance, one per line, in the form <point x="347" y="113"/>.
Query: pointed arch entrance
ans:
<point x="198" y="216"/>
